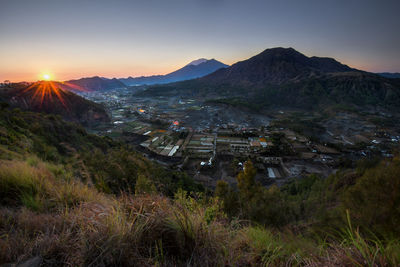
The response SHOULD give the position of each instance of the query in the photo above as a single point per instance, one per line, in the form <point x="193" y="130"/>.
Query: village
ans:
<point x="212" y="142"/>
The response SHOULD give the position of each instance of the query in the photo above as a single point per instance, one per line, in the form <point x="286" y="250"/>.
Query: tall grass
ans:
<point x="362" y="251"/>
<point x="45" y="212"/>
<point x="155" y="231"/>
<point x="18" y="180"/>
<point x="36" y="186"/>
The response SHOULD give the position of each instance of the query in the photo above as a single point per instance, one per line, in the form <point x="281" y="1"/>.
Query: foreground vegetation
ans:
<point x="108" y="165"/>
<point x="83" y="200"/>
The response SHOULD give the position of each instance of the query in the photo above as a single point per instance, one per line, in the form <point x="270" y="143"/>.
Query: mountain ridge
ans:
<point x="189" y="71"/>
<point x="94" y="83"/>
<point x="286" y="77"/>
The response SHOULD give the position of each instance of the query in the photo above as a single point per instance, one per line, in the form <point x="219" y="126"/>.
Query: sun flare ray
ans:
<point x="46" y="91"/>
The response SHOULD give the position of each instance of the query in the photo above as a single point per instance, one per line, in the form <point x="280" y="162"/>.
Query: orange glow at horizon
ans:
<point x="66" y="73"/>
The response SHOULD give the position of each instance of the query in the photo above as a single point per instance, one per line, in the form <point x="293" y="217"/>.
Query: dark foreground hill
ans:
<point x="286" y="78"/>
<point x="195" y="69"/>
<point x="49" y="98"/>
<point x="68" y="198"/>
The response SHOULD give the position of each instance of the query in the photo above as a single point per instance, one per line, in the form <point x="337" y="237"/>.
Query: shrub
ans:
<point x="374" y="199"/>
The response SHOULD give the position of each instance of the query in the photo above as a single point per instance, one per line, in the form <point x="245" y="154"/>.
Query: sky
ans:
<point x="119" y="38"/>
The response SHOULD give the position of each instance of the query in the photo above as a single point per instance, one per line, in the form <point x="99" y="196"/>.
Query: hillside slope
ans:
<point x="109" y="165"/>
<point x="49" y="98"/>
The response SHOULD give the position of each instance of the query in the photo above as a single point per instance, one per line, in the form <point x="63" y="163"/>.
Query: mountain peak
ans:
<point x="281" y="53"/>
<point x="197" y="62"/>
<point x="276" y="66"/>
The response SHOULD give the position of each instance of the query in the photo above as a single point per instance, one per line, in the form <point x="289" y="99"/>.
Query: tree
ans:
<point x="246" y="180"/>
<point x="222" y="189"/>
<point x="374" y="200"/>
<point x="229" y="197"/>
<point x="250" y="193"/>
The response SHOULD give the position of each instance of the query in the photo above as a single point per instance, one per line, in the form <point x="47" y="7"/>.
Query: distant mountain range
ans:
<point x="48" y="97"/>
<point x="95" y="83"/>
<point x="195" y="69"/>
<point x="391" y="75"/>
<point x="285" y="77"/>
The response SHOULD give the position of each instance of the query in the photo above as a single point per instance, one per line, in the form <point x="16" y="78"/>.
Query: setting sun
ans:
<point x="46" y="77"/>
